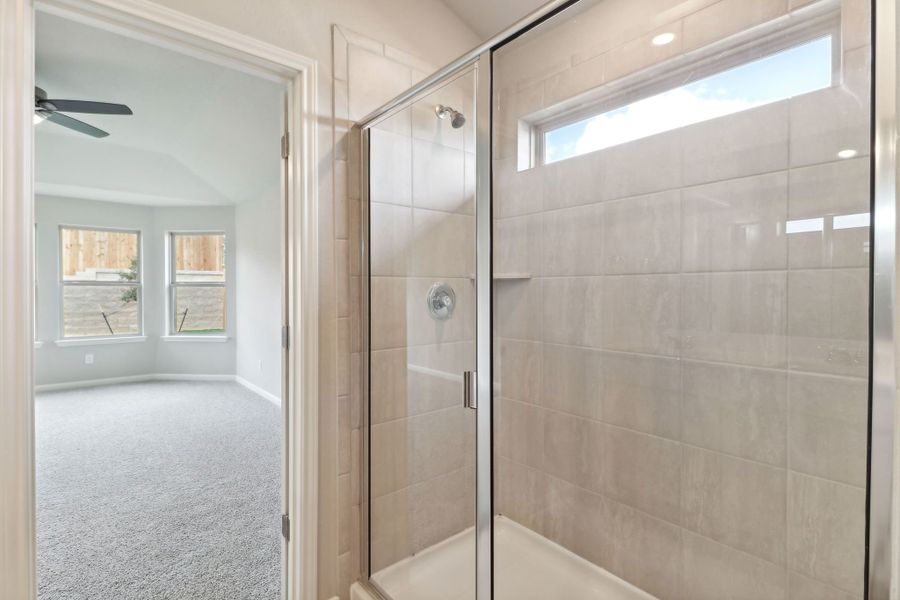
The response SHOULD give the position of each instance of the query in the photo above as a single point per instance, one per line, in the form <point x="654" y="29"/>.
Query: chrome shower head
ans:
<point x="457" y="119"/>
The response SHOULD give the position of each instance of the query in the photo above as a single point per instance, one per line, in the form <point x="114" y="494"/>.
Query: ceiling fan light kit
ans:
<point x="52" y="109"/>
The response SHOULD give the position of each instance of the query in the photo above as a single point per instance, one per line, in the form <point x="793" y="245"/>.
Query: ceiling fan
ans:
<point x="52" y="110"/>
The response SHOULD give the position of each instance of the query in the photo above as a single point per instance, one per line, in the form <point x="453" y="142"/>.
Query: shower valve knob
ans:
<point x="441" y="301"/>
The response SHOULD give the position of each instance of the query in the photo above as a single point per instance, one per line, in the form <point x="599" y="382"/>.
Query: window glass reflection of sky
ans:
<point x="791" y="72"/>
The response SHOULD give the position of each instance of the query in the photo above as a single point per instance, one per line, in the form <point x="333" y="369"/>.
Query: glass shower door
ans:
<point x="421" y="299"/>
<point x="681" y="255"/>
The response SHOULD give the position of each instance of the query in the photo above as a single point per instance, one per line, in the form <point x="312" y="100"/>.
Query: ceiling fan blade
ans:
<point x="86" y="106"/>
<point x="75" y="124"/>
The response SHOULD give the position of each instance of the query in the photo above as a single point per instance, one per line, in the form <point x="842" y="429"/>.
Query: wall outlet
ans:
<point x="88" y="359"/>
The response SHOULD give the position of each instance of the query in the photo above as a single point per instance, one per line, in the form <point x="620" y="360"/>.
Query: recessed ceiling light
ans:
<point x="848" y="153"/>
<point x="663" y="39"/>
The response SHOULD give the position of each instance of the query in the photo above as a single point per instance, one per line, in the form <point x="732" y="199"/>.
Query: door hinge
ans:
<point x="286" y="527"/>
<point x="285" y="145"/>
<point x="286" y="337"/>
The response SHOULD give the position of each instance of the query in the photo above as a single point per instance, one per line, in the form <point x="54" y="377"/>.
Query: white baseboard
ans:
<point x="72" y="385"/>
<point x="258" y="390"/>
<point x="189" y="377"/>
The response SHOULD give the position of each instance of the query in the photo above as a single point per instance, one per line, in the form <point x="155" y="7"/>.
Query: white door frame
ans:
<point x="162" y="26"/>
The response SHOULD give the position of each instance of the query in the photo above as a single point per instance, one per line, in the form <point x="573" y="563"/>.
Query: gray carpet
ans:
<point x="158" y="491"/>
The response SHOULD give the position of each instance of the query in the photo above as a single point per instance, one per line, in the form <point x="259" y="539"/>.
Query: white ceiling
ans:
<point x="201" y="133"/>
<point x="488" y="17"/>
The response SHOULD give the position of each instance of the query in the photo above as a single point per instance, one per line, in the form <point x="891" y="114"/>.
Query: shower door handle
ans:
<point x="470" y="392"/>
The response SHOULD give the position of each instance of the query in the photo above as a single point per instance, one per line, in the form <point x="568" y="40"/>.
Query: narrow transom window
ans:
<point x="100" y="282"/>
<point x="197" y="297"/>
<point x="796" y="70"/>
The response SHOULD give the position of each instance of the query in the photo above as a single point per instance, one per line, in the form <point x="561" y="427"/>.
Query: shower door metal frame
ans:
<point x="484" y="332"/>
<point x="881" y="560"/>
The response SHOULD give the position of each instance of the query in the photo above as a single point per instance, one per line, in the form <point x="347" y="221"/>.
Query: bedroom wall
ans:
<point x="65" y="364"/>
<point x="259" y="291"/>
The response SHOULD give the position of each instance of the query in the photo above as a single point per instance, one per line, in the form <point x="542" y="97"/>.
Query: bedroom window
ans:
<point x="726" y="88"/>
<point x="197" y="295"/>
<point x="100" y="282"/>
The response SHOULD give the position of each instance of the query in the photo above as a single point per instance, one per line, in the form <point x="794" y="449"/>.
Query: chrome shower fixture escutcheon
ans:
<point x="441" y="301"/>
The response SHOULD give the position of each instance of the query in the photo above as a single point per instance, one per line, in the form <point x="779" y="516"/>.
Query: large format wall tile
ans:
<point x="643" y="166"/>
<point x="573" y="449"/>
<point x="388" y="308"/>
<point x="713" y="571"/>
<point x="518" y="306"/>
<point x="831" y="192"/>
<point x="643" y="550"/>
<point x="734" y="501"/>
<point x="437" y="443"/>
<point x="441" y="507"/>
<point x="391" y="225"/>
<point x="573" y="380"/>
<point x="804" y="588"/>
<point x="829" y="427"/>
<point x="434" y="375"/>
<point x="745" y="143"/>
<point x="572" y="309"/>
<point x="826" y="531"/>
<point x="517" y="245"/>
<point x="642" y="393"/>
<point x="563" y="184"/>
<point x="388" y="389"/>
<point x="736" y="410"/>
<point x="688" y="329"/>
<point x="736" y="317"/>
<point x="391" y="537"/>
<point x="640" y="313"/>
<point x="520" y="370"/>
<point x="828" y="320"/>
<point x="390" y="457"/>
<point x="521" y="432"/>
<point x="642" y="234"/>
<point x="516" y="192"/>
<point x="736" y="224"/>
<point x="438" y="177"/>
<point x="521" y="493"/>
<point x="390" y="174"/>
<point x="572" y="242"/>
<point x="642" y="471"/>
<point x="443" y="244"/>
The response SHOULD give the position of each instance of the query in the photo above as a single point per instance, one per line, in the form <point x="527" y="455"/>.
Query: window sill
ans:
<point x="125" y="339"/>
<point x="210" y="339"/>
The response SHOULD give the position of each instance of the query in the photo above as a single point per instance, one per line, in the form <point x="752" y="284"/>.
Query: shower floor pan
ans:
<point x="527" y="567"/>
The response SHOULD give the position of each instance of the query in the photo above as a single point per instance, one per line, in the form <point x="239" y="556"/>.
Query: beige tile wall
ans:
<point x="422" y="216"/>
<point x="367" y="73"/>
<point x="422" y="231"/>
<point x="682" y="394"/>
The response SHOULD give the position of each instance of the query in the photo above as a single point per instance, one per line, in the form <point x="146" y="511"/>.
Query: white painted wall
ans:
<point x="55" y="364"/>
<point x="259" y="291"/>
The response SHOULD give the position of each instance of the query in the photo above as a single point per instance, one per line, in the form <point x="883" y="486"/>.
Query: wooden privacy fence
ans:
<point x="85" y="249"/>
